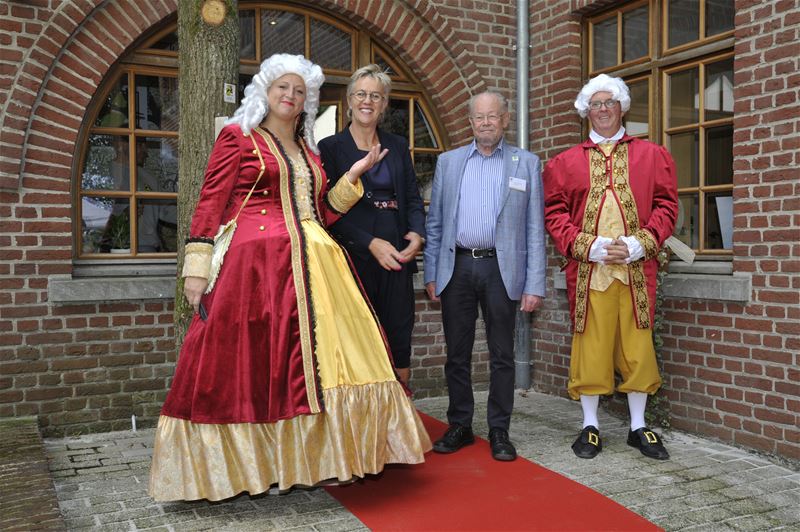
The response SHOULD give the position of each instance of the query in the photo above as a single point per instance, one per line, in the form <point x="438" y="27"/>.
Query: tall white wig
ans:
<point x="603" y="83"/>
<point x="254" y="107"/>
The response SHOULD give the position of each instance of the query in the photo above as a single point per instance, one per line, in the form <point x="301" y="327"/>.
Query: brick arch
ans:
<point x="45" y="108"/>
<point x="428" y="44"/>
<point x="50" y="104"/>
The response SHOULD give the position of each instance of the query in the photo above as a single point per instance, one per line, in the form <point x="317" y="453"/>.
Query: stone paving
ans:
<point x="101" y="480"/>
<point x="27" y="498"/>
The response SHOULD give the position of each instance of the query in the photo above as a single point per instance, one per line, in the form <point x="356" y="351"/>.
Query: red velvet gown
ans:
<point x="289" y="380"/>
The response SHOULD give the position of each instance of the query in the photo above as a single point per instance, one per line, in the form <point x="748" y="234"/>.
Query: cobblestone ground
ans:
<point x="27" y="497"/>
<point x="101" y="480"/>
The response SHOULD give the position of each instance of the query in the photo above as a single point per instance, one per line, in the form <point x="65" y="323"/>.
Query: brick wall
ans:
<point x="733" y="368"/>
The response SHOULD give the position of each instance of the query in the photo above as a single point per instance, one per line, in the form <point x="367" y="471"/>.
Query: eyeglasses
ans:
<point x="608" y="104"/>
<point x="481" y="118"/>
<point x="374" y="97"/>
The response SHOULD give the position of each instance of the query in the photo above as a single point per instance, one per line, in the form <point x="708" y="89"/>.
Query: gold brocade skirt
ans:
<point x="368" y="420"/>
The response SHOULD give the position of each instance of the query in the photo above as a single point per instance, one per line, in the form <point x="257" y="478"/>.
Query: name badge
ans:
<point x="517" y="184"/>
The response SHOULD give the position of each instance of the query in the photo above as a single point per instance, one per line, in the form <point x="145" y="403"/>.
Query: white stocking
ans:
<point x="637" y="401"/>
<point x="589" y="404"/>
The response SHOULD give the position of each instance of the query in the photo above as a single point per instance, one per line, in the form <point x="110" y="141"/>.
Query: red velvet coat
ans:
<point x="232" y="370"/>
<point x="650" y="216"/>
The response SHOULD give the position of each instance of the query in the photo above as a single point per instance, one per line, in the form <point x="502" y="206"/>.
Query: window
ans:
<point x="682" y="101"/>
<point x="128" y="171"/>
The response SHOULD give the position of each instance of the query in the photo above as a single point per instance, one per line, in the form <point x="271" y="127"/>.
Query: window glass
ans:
<point x="247" y="34"/>
<point x="685" y="150"/>
<point x="684" y="98"/>
<point x="636" y="34"/>
<point x="282" y="31"/>
<point x="167" y="42"/>
<point x="719" y="221"/>
<point x="244" y="81"/>
<point x="687" y="229"/>
<point x="684" y="21"/>
<point x="719" y="155"/>
<point x="719" y="90"/>
<point x="425" y="166"/>
<point x="107" y="163"/>
<point x="604" y="46"/>
<point x="719" y="16"/>
<point x="396" y="117"/>
<point x="637" y="119"/>
<point x="156" y="227"/>
<point x="156" y="102"/>
<point x="105" y="225"/>
<point x="330" y="47"/>
<point x="114" y="112"/>
<point x="385" y="66"/>
<point x="423" y="131"/>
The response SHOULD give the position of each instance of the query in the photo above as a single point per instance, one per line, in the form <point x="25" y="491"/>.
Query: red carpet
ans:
<point x="469" y="490"/>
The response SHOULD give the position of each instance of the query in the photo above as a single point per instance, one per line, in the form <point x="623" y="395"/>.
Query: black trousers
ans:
<point x="478" y="282"/>
<point x="390" y="292"/>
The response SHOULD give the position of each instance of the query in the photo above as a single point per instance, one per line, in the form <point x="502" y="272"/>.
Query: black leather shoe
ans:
<point x="502" y="448"/>
<point x="588" y="444"/>
<point x="648" y="442"/>
<point x="454" y="439"/>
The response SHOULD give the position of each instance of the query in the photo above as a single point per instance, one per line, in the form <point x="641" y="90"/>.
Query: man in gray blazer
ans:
<point x="486" y="247"/>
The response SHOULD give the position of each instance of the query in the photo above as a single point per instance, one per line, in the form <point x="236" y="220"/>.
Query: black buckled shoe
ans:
<point x="502" y="448"/>
<point x="588" y="444"/>
<point x="455" y="438"/>
<point x="648" y="442"/>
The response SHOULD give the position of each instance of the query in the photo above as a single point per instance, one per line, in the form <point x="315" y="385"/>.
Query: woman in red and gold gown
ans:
<point x="288" y="380"/>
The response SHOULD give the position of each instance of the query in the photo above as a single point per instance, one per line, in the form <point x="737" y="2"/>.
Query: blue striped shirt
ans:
<point x="480" y="198"/>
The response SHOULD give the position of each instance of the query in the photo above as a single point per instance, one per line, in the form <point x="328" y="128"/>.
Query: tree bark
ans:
<point x="208" y="58"/>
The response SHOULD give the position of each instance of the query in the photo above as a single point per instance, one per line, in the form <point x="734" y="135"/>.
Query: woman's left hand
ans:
<point x="414" y="246"/>
<point x="373" y="157"/>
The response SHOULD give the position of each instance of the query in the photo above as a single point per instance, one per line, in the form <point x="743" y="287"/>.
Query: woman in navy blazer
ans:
<point x="385" y="230"/>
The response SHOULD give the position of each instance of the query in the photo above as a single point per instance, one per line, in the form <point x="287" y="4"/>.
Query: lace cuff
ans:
<point x="197" y="260"/>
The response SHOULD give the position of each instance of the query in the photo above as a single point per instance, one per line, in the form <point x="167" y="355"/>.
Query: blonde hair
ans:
<point x="254" y="106"/>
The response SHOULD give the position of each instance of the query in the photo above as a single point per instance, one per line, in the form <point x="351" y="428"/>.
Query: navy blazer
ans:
<point x="353" y="230"/>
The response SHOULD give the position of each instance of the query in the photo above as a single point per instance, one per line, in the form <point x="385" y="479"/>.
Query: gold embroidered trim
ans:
<point x="648" y="242"/>
<point x="582" y="245"/>
<point x="594" y="202"/>
<point x="344" y="194"/>
<point x="582" y="295"/>
<point x="622" y="188"/>
<point x="197" y="260"/>
<point x="300" y="288"/>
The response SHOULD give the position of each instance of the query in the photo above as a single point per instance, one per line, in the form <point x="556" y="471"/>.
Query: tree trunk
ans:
<point x="208" y="58"/>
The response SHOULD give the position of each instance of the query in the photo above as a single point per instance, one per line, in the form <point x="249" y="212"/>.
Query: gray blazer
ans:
<point x="519" y="235"/>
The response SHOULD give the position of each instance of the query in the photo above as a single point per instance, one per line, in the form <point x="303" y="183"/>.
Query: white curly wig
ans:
<point x="603" y="83"/>
<point x="254" y="107"/>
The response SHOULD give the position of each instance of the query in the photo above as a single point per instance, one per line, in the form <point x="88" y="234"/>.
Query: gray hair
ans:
<point x="603" y="83"/>
<point x="254" y="106"/>
<point x="498" y="95"/>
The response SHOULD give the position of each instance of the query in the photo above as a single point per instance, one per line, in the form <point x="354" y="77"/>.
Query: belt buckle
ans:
<point x="474" y="256"/>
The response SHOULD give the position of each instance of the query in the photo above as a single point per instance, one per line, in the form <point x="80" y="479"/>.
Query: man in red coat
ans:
<point x="610" y="203"/>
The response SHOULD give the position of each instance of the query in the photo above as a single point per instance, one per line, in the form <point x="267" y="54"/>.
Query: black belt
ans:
<point x="477" y="253"/>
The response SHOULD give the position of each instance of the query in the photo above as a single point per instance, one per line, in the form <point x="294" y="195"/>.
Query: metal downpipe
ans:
<point x="522" y="338"/>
